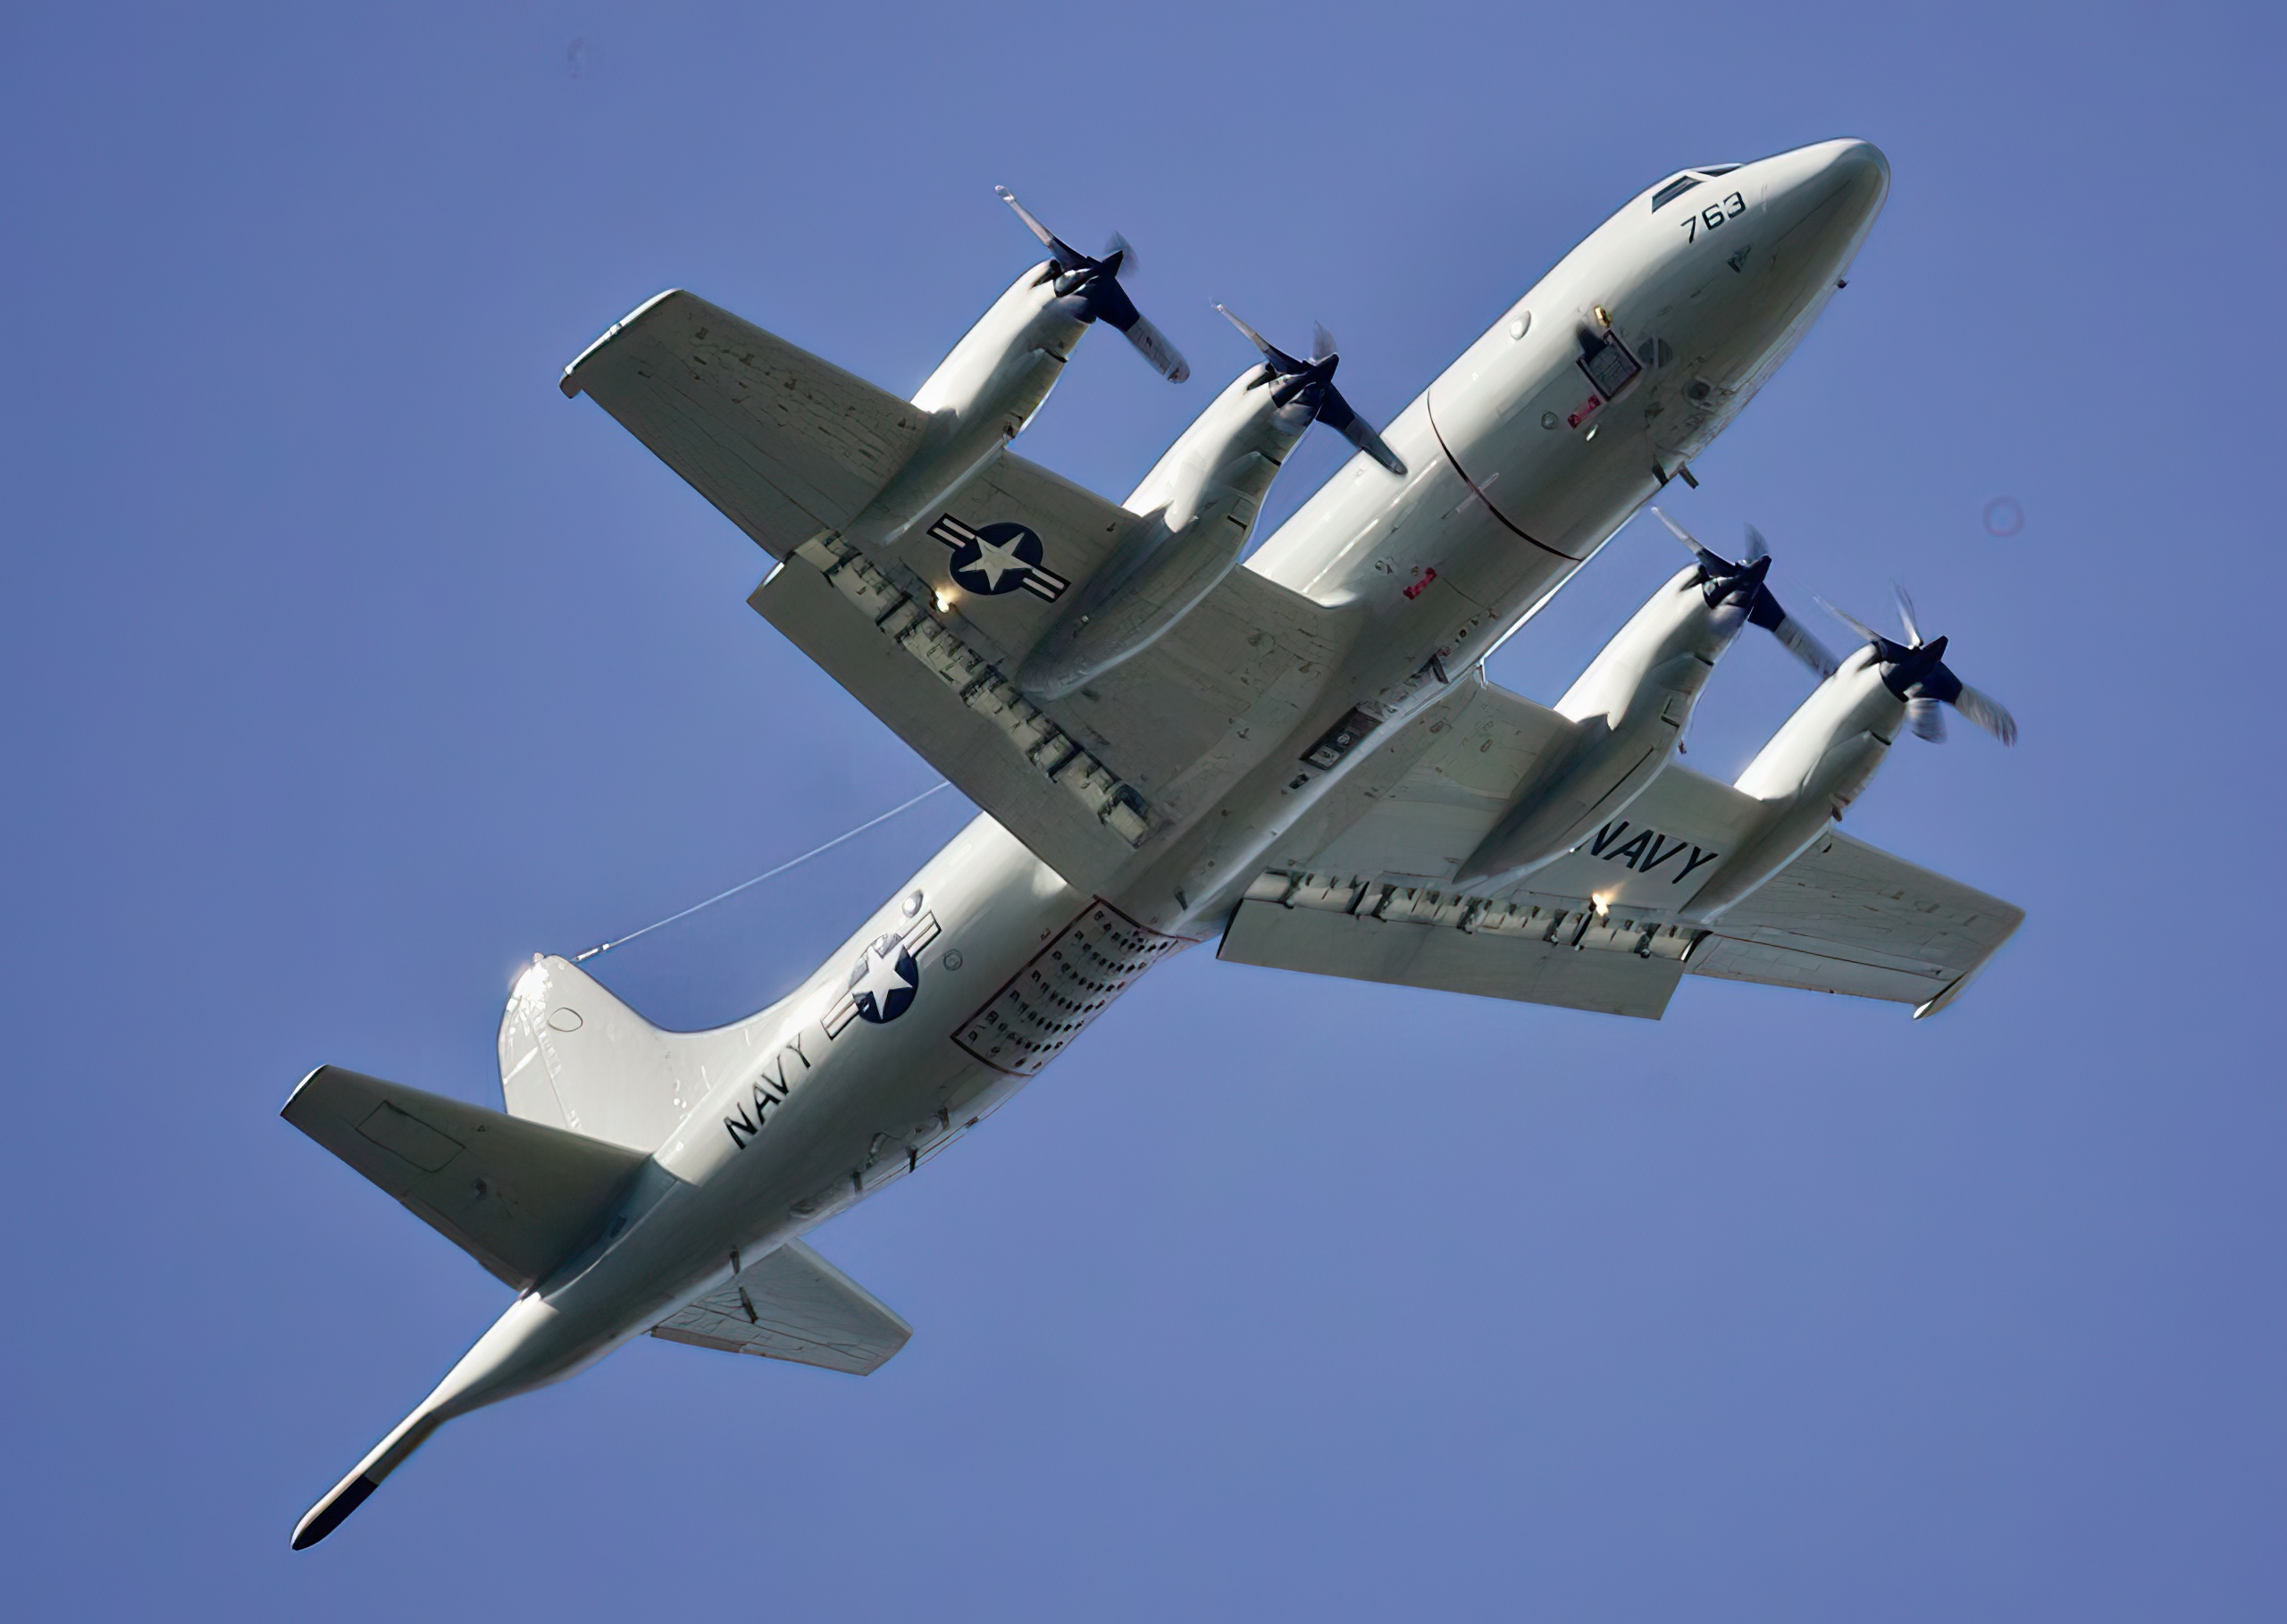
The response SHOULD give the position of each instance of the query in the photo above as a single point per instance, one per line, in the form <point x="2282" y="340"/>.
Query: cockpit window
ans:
<point x="1714" y="170"/>
<point x="1672" y="190"/>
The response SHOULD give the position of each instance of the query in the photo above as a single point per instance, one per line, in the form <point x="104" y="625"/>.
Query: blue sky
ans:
<point x="348" y="664"/>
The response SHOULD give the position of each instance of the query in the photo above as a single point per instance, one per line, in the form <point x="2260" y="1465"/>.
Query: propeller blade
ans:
<point x="1756" y="546"/>
<point x="1927" y="718"/>
<point x="1153" y="343"/>
<point x="1280" y="361"/>
<point x="1987" y="712"/>
<point x="1906" y="616"/>
<point x="1791" y="633"/>
<point x="1337" y="414"/>
<point x="1103" y="299"/>
<point x="1060" y="250"/>
<point x="1296" y="377"/>
<point x="1980" y="708"/>
<point x="1710" y="562"/>
<point x="1118" y="247"/>
<point x="1853" y="622"/>
<point x="1322" y="344"/>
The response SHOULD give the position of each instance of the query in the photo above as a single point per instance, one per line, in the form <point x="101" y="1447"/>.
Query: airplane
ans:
<point x="1294" y="753"/>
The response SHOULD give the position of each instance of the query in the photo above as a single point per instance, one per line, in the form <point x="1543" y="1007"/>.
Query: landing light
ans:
<point x="1602" y="901"/>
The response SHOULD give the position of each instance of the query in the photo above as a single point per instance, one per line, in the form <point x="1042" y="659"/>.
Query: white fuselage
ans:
<point x="1519" y="469"/>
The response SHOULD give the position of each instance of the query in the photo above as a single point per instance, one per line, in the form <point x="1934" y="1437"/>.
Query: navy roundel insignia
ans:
<point x="990" y="559"/>
<point x="883" y="980"/>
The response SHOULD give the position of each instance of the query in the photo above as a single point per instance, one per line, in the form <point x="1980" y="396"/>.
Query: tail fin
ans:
<point x="519" y="1197"/>
<point x="573" y="1056"/>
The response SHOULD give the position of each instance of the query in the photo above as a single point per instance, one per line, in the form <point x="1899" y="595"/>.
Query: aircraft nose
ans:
<point x="1845" y="181"/>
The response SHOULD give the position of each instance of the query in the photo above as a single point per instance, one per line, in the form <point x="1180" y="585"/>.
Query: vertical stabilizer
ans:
<point x="573" y="1056"/>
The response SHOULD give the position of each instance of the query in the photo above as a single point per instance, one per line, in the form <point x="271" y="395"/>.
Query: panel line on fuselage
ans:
<point x="1477" y="490"/>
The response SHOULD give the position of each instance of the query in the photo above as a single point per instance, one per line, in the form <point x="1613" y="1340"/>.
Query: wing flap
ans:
<point x="793" y="1305"/>
<point x="785" y="444"/>
<point x="519" y="1197"/>
<point x="960" y="711"/>
<point x="1407" y="953"/>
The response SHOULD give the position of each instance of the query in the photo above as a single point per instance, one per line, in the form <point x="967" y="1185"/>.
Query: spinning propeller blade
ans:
<point x="1906" y="616"/>
<point x="1095" y="283"/>
<point x="1917" y="673"/>
<point x="1311" y="382"/>
<point x="1723" y="579"/>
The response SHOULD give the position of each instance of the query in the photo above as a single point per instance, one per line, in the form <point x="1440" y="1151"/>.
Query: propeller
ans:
<point x="1311" y="382"/>
<point x="1917" y="673"/>
<point x="1095" y="283"/>
<point x="1720" y="579"/>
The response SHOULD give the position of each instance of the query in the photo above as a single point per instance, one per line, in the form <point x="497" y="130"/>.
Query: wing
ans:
<point x="927" y="632"/>
<point x="1842" y="917"/>
<point x="1085" y="781"/>
<point x="1848" y="917"/>
<point x="784" y="443"/>
<point x="793" y="1305"/>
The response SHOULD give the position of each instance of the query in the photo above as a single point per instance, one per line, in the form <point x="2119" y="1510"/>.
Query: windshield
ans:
<point x="1672" y="190"/>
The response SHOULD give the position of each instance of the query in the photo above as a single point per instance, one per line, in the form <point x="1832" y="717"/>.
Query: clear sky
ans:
<point x="347" y="664"/>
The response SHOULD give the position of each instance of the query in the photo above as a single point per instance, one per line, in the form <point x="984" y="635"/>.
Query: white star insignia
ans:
<point x="882" y="978"/>
<point x="995" y="559"/>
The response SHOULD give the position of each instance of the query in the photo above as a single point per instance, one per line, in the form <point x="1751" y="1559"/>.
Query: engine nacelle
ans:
<point x="1202" y="499"/>
<point x="1816" y="765"/>
<point x="1628" y="709"/>
<point x="979" y="398"/>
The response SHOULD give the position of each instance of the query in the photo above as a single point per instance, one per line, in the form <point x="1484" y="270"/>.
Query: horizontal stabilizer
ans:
<point x="793" y="1305"/>
<point x="519" y="1197"/>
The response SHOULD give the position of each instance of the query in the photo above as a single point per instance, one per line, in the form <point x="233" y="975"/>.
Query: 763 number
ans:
<point x="1713" y="215"/>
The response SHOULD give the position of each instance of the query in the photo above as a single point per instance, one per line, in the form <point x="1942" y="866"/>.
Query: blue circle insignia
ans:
<point x="997" y="560"/>
<point x="883" y="980"/>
